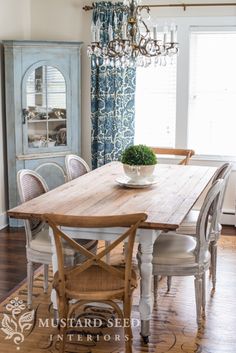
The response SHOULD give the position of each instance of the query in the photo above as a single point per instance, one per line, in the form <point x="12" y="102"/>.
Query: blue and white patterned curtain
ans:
<point x="112" y="97"/>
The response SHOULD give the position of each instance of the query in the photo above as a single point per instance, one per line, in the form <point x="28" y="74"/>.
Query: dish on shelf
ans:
<point x="143" y="183"/>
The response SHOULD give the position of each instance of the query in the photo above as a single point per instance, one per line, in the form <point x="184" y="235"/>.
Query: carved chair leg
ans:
<point x="128" y="342"/>
<point x="210" y="268"/>
<point x="128" y="329"/>
<point x="62" y="345"/>
<point x="213" y="250"/>
<point x="30" y="278"/>
<point x="155" y="286"/>
<point x="63" y="313"/>
<point x="45" y="278"/>
<point x="55" y="317"/>
<point x="203" y="293"/>
<point x="169" y="280"/>
<point x="198" y="298"/>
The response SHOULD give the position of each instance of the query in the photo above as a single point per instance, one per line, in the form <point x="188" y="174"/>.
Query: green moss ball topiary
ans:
<point x="138" y="155"/>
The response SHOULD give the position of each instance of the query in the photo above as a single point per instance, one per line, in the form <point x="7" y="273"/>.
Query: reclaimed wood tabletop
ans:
<point x="97" y="193"/>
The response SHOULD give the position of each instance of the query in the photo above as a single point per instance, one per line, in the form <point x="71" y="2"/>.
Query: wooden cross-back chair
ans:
<point x="186" y="153"/>
<point x="95" y="280"/>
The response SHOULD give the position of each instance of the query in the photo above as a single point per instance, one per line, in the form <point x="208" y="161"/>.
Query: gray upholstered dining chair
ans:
<point x="182" y="255"/>
<point x="38" y="242"/>
<point x="75" y="166"/>
<point x="188" y="225"/>
<point x="53" y="174"/>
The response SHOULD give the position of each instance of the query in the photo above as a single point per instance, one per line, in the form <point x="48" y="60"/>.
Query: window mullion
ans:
<point x="182" y="88"/>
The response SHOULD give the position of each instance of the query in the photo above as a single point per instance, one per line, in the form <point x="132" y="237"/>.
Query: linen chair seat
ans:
<point x="42" y="243"/>
<point x="175" y="249"/>
<point x="94" y="283"/>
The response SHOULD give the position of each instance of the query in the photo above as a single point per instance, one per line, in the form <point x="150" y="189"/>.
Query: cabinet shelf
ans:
<point x="45" y="120"/>
<point x="44" y="92"/>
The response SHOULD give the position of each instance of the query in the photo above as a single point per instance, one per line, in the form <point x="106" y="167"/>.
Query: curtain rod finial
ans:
<point x="87" y="8"/>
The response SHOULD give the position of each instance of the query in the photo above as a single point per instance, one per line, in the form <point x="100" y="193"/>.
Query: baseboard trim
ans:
<point x="228" y="219"/>
<point x="3" y="220"/>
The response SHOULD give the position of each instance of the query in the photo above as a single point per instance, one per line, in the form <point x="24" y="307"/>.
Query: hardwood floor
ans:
<point x="228" y="230"/>
<point x="173" y="323"/>
<point x="13" y="260"/>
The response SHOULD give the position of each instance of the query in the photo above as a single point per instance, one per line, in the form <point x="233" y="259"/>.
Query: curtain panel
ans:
<point x="112" y="95"/>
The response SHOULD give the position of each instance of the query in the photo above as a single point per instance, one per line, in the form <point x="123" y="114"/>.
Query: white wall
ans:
<point x="14" y="24"/>
<point x="66" y="20"/>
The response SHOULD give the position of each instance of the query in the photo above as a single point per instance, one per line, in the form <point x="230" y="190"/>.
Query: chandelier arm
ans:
<point x="146" y="27"/>
<point x="131" y="42"/>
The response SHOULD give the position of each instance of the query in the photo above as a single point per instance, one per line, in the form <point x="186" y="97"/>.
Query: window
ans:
<point x="155" y="105"/>
<point x="191" y="104"/>
<point x="212" y="97"/>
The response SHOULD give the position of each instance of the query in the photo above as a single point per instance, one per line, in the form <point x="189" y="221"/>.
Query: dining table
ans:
<point x="100" y="193"/>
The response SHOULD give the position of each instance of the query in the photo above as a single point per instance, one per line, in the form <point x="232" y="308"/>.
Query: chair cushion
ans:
<point x="175" y="249"/>
<point x="42" y="243"/>
<point x="93" y="280"/>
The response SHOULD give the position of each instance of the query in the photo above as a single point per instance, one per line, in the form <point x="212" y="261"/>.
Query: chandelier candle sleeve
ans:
<point x="173" y="32"/>
<point x="155" y="33"/>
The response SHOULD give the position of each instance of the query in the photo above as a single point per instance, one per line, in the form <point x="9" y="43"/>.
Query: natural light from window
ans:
<point x="212" y="98"/>
<point x="155" y="105"/>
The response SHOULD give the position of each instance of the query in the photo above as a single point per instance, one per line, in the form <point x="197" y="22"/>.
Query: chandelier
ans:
<point x="130" y="42"/>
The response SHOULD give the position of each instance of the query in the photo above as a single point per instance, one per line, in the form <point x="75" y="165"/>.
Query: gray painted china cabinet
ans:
<point x="42" y="85"/>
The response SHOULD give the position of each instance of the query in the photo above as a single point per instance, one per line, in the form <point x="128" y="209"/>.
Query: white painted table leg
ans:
<point x="54" y="269"/>
<point x="146" y="240"/>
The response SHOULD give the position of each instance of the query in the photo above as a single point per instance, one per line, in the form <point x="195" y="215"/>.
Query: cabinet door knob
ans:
<point x="25" y="114"/>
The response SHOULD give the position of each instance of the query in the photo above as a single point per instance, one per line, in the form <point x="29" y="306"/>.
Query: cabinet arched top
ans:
<point x="40" y="63"/>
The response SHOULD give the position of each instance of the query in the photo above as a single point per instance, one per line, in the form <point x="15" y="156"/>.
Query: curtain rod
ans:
<point x="184" y="6"/>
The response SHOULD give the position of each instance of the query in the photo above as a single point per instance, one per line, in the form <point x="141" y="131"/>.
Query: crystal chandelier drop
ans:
<point x="132" y="43"/>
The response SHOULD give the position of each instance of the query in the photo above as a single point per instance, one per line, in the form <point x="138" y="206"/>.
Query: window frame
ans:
<point x="185" y="26"/>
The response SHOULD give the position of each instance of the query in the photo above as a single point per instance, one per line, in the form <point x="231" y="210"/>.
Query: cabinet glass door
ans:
<point x="45" y="114"/>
